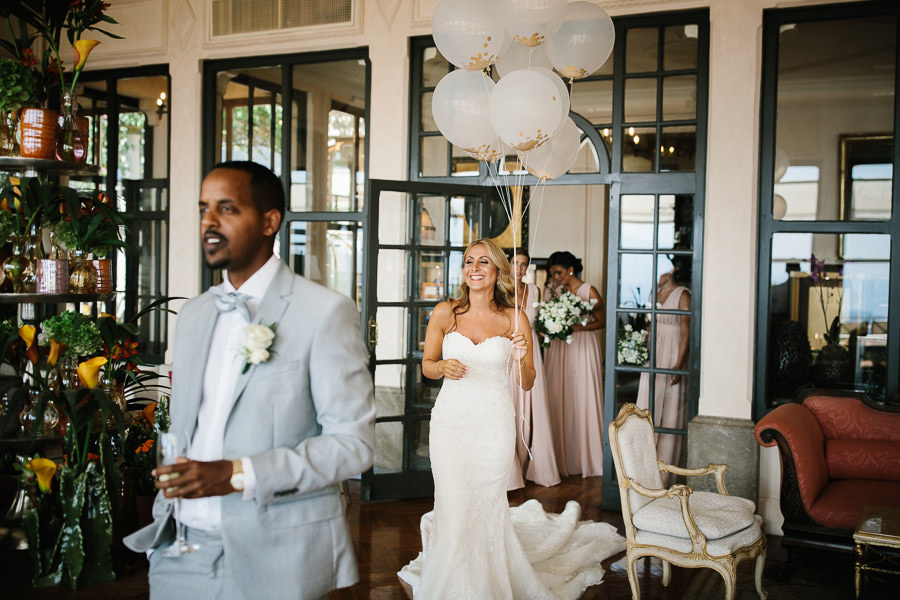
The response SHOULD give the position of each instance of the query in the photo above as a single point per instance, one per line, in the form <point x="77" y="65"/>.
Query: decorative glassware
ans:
<point x="70" y="142"/>
<point x="82" y="274"/>
<point x="32" y="252"/>
<point x="9" y="125"/>
<point x="28" y="418"/>
<point x="169" y="447"/>
<point x="17" y="266"/>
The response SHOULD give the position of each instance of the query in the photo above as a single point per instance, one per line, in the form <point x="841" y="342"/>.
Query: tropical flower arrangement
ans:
<point x="139" y="447"/>
<point x="631" y="347"/>
<point x="556" y="316"/>
<point x="71" y="367"/>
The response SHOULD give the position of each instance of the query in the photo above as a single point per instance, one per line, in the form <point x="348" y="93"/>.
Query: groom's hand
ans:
<point x="194" y="479"/>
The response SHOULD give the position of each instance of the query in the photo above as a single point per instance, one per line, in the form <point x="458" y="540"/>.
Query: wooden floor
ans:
<point x="387" y="537"/>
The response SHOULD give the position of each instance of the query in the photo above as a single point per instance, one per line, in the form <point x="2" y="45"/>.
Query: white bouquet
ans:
<point x="632" y="346"/>
<point x="556" y="316"/>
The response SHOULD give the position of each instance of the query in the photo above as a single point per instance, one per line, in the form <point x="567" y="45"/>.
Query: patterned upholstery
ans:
<point x="717" y="516"/>
<point x="844" y="418"/>
<point x="639" y="459"/>
<point x="718" y="547"/>
<point x="863" y="459"/>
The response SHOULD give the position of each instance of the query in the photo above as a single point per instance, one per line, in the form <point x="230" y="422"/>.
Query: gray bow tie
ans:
<point x="226" y="302"/>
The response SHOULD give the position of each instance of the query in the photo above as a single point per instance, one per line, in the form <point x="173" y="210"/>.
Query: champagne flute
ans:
<point x="170" y="446"/>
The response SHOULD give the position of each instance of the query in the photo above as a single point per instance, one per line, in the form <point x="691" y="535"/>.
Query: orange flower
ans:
<point x="82" y="50"/>
<point x="55" y="349"/>
<point x="44" y="469"/>
<point x="149" y="412"/>
<point x="89" y="371"/>
<point x="26" y="332"/>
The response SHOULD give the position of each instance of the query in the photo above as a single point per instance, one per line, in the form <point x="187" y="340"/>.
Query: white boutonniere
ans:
<point x="257" y="341"/>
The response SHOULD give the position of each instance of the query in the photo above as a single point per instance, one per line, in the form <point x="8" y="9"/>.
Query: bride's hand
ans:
<point x="520" y="346"/>
<point x="451" y="368"/>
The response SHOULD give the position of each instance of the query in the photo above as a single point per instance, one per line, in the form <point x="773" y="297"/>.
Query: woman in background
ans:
<point x="533" y="429"/>
<point x="574" y="375"/>
<point x="672" y="337"/>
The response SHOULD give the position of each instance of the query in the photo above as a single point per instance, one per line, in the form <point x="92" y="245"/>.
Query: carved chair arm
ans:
<point x="717" y="469"/>
<point x="682" y="493"/>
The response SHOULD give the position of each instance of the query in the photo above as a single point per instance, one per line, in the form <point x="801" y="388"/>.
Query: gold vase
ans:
<point x="17" y="267"/>
<point x="82" y="274"/>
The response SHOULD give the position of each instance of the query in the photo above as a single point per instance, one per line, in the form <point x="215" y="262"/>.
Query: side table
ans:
<point x="877" y="539"/>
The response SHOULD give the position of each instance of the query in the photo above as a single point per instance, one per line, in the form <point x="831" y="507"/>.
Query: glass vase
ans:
<point x="114" y="392"/>
<point x="33" y="253"/>
<point x="17" y="267"/>
<point x="28" y="418"/>
<point x="82" y="275"/>
<point x="70" y="142"/>
<point x="9" y="126"/>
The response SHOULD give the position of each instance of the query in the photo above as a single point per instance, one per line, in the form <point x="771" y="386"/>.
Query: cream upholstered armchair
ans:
<point x="680" y="526"/>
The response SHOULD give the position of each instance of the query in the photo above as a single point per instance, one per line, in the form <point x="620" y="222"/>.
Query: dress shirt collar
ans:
<point x="258" y="283"/>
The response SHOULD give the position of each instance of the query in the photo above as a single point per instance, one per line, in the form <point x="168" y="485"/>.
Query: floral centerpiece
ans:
<point x="631" y="347"/>
<point x="556" y="316"/>
<point x="139" y="447"/>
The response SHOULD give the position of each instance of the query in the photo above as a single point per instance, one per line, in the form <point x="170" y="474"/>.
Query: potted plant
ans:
<point x="90" y="226"/>
<point x="17" y="91"/>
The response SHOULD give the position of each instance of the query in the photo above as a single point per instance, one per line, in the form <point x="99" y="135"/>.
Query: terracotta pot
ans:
<point x="39" y="127"/>
<point x="104" y="275"/>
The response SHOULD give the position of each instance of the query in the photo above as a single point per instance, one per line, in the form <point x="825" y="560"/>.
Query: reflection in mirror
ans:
<point x="454" y="274"/>
<point x="633" y="339"/>
<point x="423" y="314"/>
<point x="828" y="318"/>
<point x="393" y="217"/>
<point x="432" y="156"/>
<point x="431" y="221"/>
<point x="677" y="148"/>
<point x="390" y="386"/>
<point x="426" y="391"/>
<point x="391" y="275"/>
<point x="866" y="177"/>
<point x="431" y="276"/>
<point x="389" y="447"/>
<point x="636" y="228"/>
<point x="680" y="47"/>
<point x="640" y="99"/>
<point x="638" y="149"/>
<point x="676" y="222"/>
<point x="635" y="280"/>
<point x="673" y="271"/>
<point x="465" y="220"/>
<point x="641" y="49"/>
<point x="796" y="194"/>
<point x="627" y="383"/>
<point x="420" y="459"/>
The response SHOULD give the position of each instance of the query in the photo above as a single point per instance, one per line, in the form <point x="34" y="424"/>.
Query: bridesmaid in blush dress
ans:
<point x="532" y="412"/>
<point x="672" y="337"/>
<point x="574" y="375"/>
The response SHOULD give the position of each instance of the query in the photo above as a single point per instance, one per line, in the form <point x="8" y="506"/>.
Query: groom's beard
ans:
<point x="218" y="256"/>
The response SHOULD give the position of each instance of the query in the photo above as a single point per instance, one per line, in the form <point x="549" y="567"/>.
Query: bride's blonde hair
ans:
<point x="504" y="288"/>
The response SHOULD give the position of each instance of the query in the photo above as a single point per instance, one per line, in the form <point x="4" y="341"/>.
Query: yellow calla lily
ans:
<point x="55" y="349"/>
<point x="89" y="371"/>
<point x="82" y="50"/>
<point x="44" y="469"/>
<point x="149" y="412"/>
<point x="106" y="315"/>
<point x="26" y="332"/>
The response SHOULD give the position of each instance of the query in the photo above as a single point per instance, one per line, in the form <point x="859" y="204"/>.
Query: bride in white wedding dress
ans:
<point x="474" y="546"/>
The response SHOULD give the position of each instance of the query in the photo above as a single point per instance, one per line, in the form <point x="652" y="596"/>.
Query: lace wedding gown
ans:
<point x="474" y="544"/>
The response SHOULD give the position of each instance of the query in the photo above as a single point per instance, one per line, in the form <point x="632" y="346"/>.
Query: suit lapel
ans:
<point x="200" y="329"/>
<point x="271" y="309"/>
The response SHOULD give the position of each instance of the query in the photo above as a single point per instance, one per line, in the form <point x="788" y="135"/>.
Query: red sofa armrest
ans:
<point x="797" y="433"/>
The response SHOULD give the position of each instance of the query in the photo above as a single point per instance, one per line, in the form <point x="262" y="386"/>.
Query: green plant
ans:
<point x="32" y="201"/>
<point x="95" y="222"/>
<point x="77" y="332"/>
<point x="17" y="86"/>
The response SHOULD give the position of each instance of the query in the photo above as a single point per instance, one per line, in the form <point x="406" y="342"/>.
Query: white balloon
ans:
<point x="518" y="57"/>
<point x="553" y="159"/>
<point x="782" y="162"/>
<point x="461" y="109"/>
<point x="491" y="152"/>
<point x="779" y="207"/>
<point x="583" y="42"/>
<point x="532" y="22"/>
<point x="468" y="33"/>
<point x="526" y="109"/>
<point x="561" y="87"/>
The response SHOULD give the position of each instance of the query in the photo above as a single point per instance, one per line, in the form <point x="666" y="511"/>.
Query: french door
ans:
<point x="416" y="236"/>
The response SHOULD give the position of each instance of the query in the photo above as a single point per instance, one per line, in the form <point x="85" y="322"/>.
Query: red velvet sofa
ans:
<point x="839" y="453"/>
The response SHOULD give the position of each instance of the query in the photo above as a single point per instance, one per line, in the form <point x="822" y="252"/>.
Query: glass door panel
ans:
<point x="414" y="262"/>
<point x="328" y="253"/>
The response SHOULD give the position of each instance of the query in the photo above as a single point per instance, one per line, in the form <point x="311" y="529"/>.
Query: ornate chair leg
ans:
<point x="760" y="567"/>
<point x="630" y="562"/>
<point x="729" y="576"/>
<point x="667" y="573"/>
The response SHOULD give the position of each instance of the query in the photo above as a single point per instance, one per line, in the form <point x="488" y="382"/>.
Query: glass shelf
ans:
<point x="33" y="166"/>
<point x="54" y="298"/>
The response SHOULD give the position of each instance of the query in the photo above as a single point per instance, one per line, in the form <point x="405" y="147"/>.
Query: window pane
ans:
<point x="391" y="344"/>
<point x="391" y="277"/>
<point x="428" y="123"/>
<point x="431" y="211"/>
<point x="635" y="280"/>
<point x="462" y="164"/>
<point x="432" y="156"/>
<point x="626" y="388"/>
<point x="676" y="222"/>
<point x="636" y="230"/>
<point x="796" y="193"/>
<point x="641" y="50"/>
<point x="672" y="270"/>
<point x="677" y="148"/>
<point x="593" y="101"/>
<point x="847" y="87"/>
<point x="390" y="386"/>
<point x="420" y="459"/>
<point x="423" y="315"/>
<point x="465" y="220"/>
<point x="388" y="447"/>
<point x="329" y="253"/>
<point x="680" y="47"/>
<point x="633" y="339"/>
<point x="426" y="391"/>
<point x="454" y="274"/>
<point x="434" y="66"/>
<point x="679" y="101"/>
<point x="393" y="218"/>
<point x="431" y="276"/>
<point x="868" y="171"/>
<point x="638" y="149"/>
<point x="640" y="99"/>
<point x="587" y="160"/>
<point x="828" y="324"/>
<point x="344" y="161"/>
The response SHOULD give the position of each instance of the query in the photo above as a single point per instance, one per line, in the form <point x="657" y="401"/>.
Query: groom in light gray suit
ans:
<point x="275" y="424"/>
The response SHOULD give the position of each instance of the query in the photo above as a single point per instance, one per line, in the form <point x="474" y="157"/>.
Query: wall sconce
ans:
<point x="161" y="105"/>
